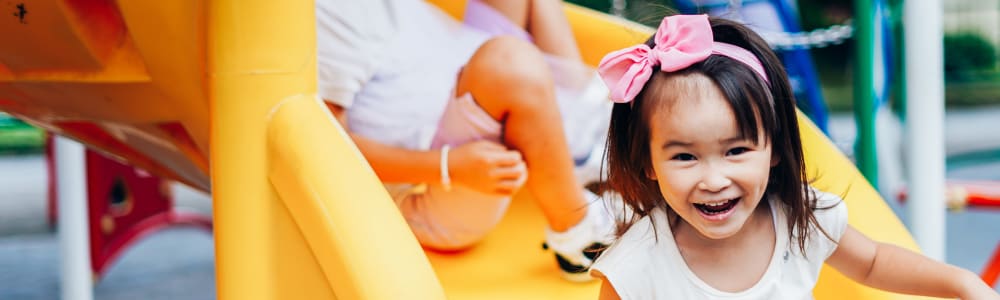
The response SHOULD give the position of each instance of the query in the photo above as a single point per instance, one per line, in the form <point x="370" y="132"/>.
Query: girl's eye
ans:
<point x="683" y="157"/>
<point x="737" y="151"/>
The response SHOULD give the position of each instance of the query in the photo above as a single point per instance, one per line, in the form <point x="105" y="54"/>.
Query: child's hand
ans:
<point x="487" y="167"/>
<point x="976" y="289"/>
<point x="981" y="292"/>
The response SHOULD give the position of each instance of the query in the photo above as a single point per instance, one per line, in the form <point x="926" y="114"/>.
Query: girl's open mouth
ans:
<point x="717" y="211"/>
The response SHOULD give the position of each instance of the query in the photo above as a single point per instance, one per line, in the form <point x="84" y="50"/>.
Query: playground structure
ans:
<point x="185" y="87"/>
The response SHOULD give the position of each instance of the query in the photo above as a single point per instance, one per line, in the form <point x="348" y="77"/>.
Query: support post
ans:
<point x="74" y="237"/>
<point x="925" y="123"/>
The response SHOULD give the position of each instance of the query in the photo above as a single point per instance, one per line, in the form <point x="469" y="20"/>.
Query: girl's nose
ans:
<point x="715" y="181"/>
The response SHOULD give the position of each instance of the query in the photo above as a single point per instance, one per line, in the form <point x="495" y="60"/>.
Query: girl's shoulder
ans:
<point x="826" y="200"/>
<point x="640" y="238"/>
<point x="830" y="211"/>
<point x="641" y="257"/>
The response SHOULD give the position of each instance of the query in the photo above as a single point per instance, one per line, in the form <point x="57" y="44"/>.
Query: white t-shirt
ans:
<point x="392" y="63"/>
<point x="639" y="267"/>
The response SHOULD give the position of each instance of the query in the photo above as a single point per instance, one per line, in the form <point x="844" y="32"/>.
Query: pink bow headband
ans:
<point x="681" y="41"/>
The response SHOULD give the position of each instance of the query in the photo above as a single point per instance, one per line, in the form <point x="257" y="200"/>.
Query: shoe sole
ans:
<point x="578" y="277"/>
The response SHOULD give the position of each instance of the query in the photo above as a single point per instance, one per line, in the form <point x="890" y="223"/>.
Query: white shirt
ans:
<point x="392" y="63"/>
<point x="639" y="267"/>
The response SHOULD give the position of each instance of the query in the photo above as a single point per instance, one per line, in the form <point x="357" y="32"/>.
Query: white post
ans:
<point x="74" y="241"/>
<point x="618" y="7"/>
<point x="925" y="123"/>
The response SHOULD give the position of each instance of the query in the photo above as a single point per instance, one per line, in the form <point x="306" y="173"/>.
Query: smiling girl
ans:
<point x="704" y="147"/>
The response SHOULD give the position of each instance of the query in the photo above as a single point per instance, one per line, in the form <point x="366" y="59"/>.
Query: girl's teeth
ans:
<point x="716" y="204"/>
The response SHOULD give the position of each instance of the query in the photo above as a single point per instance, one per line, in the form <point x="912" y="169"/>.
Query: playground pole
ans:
<point x="74" y="236"/>
<point x="925" y="123"/>
<point x="864" y="89"/>
<point x="259" y="52"/>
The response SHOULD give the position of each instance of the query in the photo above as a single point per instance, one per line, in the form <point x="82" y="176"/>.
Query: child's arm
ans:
<point x="891" y="268"/>
<point x="484" y="166"/>
<point x="607" y="290"/>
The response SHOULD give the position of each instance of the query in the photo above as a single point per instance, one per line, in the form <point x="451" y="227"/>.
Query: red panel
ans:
<point x="124" y="204"/>
<point x="113" y="191"/>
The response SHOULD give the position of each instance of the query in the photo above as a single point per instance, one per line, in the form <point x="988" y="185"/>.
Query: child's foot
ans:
<point x="578" y="247"/>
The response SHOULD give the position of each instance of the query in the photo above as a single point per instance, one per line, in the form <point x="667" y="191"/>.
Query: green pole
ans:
<point x="864" y="89"/>
<point x="899" y="84"/>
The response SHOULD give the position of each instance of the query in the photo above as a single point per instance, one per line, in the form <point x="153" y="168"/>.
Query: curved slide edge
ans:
<point x="351" y="225"/>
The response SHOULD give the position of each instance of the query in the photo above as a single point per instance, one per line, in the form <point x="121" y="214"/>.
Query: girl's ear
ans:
<point x="775" y="159"/>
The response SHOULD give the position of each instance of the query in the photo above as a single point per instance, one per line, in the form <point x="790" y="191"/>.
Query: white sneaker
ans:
<point x="578" y="247"/>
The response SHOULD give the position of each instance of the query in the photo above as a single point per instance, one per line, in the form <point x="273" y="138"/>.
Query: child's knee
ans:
<point x="512" y="68"/>
<point x="509" y="60"/>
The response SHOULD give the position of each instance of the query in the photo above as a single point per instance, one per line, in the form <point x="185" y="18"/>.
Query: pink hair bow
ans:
<point x="681" y="41"/>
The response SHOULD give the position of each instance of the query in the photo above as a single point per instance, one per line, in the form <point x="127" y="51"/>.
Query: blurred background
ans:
<point x="818" y="46"/>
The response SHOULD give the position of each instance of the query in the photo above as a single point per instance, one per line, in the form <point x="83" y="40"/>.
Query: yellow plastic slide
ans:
<point x="219" y="94"/>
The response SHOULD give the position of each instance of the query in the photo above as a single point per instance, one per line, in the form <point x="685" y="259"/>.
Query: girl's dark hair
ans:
<point x="771" y="109"/>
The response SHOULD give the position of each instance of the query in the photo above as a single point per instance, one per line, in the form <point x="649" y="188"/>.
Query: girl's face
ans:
<point x="709" y="176"/>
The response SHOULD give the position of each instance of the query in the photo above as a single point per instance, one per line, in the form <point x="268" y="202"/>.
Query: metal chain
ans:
<point x="735" y="7"/>
<point x="782" y="41"/>
<point x="819" y="38"/>
<point x="618" y="7"/>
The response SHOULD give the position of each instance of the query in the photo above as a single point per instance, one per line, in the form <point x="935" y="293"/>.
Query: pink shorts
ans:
<point x="461" y="217"/>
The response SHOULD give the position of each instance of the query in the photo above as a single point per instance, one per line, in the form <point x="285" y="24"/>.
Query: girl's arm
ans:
<point x="607" y="290"/>
<point x="891" y="268"/>
<point x="484" y="166"/>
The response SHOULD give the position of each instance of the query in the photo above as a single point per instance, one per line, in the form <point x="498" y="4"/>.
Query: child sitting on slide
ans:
<point x="456" y="119"/>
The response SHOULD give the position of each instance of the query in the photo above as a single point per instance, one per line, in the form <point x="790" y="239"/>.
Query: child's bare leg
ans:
<point x="545" y="21"/>
<point x="511" y="81"/>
